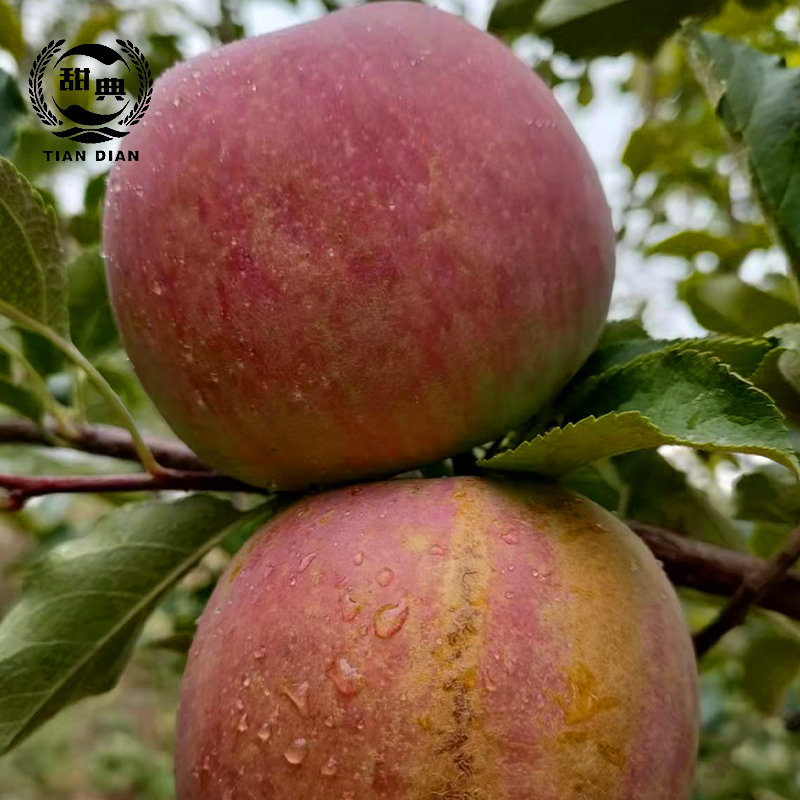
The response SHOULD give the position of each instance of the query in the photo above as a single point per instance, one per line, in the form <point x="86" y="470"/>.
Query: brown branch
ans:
<point x="716" y="570"/>
<point x="689" y="563"/>
<point x="754" y="587"/>
<point x="21" y="488"/>
<point x="101" y="440"/>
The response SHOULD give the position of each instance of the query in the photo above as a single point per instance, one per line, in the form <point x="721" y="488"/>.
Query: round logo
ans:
<point x="93" y="103"/>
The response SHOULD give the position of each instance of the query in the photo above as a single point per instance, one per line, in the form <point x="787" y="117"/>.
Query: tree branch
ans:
<point x="753" y="588"/>
<point x="716" y="570"/>
<point x="689" y="563"/>
<point x="21" y="488"/>
<point x="102" y="440"/>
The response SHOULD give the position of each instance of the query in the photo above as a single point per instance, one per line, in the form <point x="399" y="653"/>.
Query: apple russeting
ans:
<point x="355" y="246"/>
<point x="452" y="638"/>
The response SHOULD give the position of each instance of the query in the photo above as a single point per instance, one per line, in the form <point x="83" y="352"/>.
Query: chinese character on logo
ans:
<point x="73" y="78"/>
<point x="105" y="87"/>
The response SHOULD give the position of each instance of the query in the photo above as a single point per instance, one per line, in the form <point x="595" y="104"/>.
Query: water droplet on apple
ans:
<point x="349" y="606"/>
<point x="329" y="768"/>
<point x="346" y="678"/>
<point x="242" y="726"/>
<point x="384" y="576"/>
<point x="358" y="559"/>
<point x="296" y="751"/>
<point x="306" y="562"/>
<point x="389" y="619"/>
<point x="437" y="550"/>
<point x="298" y="694"/>
<point x="264" y="732"/>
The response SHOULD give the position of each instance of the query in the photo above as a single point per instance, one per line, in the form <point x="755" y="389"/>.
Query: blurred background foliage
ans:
<point x="695" y="255"/>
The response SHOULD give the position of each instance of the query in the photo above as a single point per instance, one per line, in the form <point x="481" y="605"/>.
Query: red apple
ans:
<point x="355" y="246"/>
<point x="456" y="639"/>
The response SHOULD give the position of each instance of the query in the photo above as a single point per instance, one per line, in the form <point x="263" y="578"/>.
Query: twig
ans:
<point x="21" y="488"/>
<point x="101" y="385"/>
<point x="101" y="440"/>
<point x="688" y="563"/>
<point x="752" y="589"/>
<point x="716" y="570"/>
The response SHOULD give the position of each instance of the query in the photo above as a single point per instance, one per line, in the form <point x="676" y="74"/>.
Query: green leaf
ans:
<point x="646" y="487"/>
<point x="563" y="450"/>
<point x="788" y="337"/>
<point x="510" y="18"/>
<point x="779" y="372"/>
<point x="29" y="394"/>
<point x="767" y="538"/>
<point x="771" y="664"/>
<point x="588" y="28"/>
<point x="659" y="493"/>
<point x="768" y="495"/>
<point x="86" y="226"/>
<point x="163" y="50"/>
<point x="32" y="276"/>
<point x="12" y="110"/>
<point x="730" y="251"/>
<point x="724" y="303"/>
<point x="673" y="396"/>
<point x="742" y="355"/>
<point x="21" y="400"/>
<point x="33" y="138"/>
<point x="43" y="355"/>
<point x="692" y="397"/>
<point x="621" y="330"/>
<point x="84" y="604"/>
<point x="95" y="191"/>
<point x="94" y="330"/>
<point x="599" y="482"/>
<point x="11" y="31"/>
<point x="758" y="100"/>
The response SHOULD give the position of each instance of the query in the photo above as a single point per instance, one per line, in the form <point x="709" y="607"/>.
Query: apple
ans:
<point x="456" y="638"/>
<point x="355" y="246"/>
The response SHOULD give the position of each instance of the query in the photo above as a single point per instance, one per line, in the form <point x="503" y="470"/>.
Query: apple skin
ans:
<point x="450" y="638"/>
<point x="355" y="246"/>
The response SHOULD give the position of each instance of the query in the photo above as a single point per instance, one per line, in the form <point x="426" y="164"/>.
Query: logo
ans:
<point x="60" y="93"/>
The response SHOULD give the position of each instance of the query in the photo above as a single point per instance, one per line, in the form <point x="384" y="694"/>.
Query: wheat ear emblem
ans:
<point x="145" y="92"/>
<point x="36" y="79"/>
